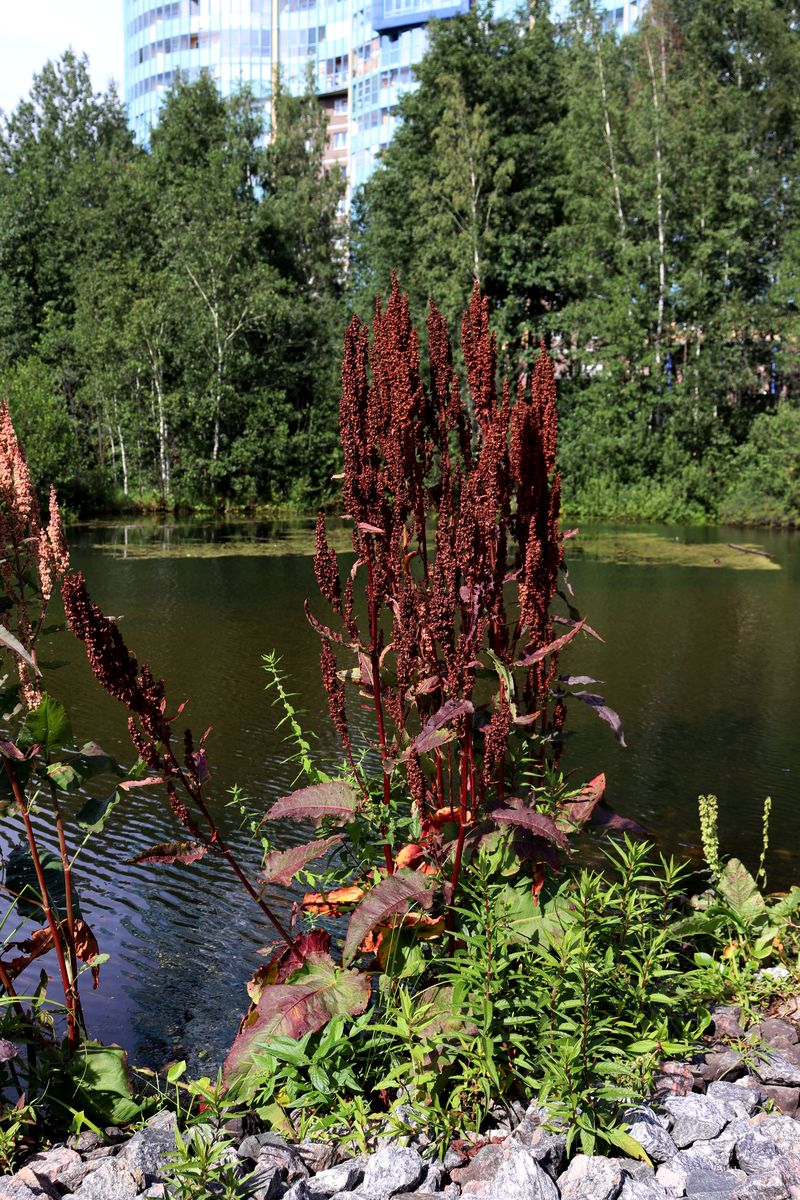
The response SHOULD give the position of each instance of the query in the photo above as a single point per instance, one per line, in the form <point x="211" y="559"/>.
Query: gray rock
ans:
<point x="726" y="1021"/>
<point x="163" y="1120"/>
<point x="673" y="1182"/>
<point x="453" y="1158"/>
<point x="111" y="1181"/>
<point x="642" y="1189"/>
<point x="12" y="1188"/>
<point x="279" y="1154"/>
<point x="83" y="1142"/>
<point x="52" y="1165"/>
<point x="298" y="1191"/>
<point x="147" y="1153"/>
<point x="451" y="1192"/>
<point x="712" y="1185"/>
<point x="589" y="1177"/>
<point x="435" y="1177"/>
<point x="342" y="1178"/>
<point x="756" y="1152"/>
<point x="747" y="1098"/>
<point x="518" y="1177"/>
<point x="157" y="1192"/>
<point x="780" y="1069"/>
<point x="722" y="1064"/>
<point x="392" y="1169"/>
<point x="652" y="1136"/>
<point x="72" y="1179"/>
<point x="703" y="1156"/>
<point x="40" y="1186"/>
<point x="783" y="1131"/>
<point x="266" y="1182"/>
<point x="317" y="1156"/>
<point x="764" y="1185"/>
<point x="549" y="1150"/>
<point x="773" y="1029"/>
<point x="695" y="1119"/>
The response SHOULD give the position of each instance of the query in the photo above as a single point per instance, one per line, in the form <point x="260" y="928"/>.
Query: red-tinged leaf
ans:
<point x="534" y="656"/>
<point x="128" y="785"/>
<point x="525" y="719"/>
<point x="41" y="942"/>
<point x="286" y="961"/>
<point x="365" y="527"/>
<point x="604" y="712"/>
<point x="391" y="897"/>
<point x="9" y="750"/>
<point x="172" y="852"/>
<point x="315" y="994"/>
<point x="569" y="533"/>
<point x="433" y="733"/>
<point x="575" y="813"/>
<point x="426" y="686"/>
<point x="323" y="630"/>
<point x="586" y="627"/>
<point x="531" y="848"/>
<point x="281" y="866"/>
<point x="611" y="822"/>
<point x="8" y="1051"/>
<point x="336" y="800"/>
<point x="365" y="672"/>
<point x="529" y="818"/>
<point x="200" y="761"/>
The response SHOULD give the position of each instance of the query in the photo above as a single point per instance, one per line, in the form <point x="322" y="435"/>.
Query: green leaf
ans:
<point x="623" y="1141"/>
<point x="102" y="1084"/>
<point x="176" y="1071"/>
<point x="63" y="775"/>
<point x="47" y="726"/>
<point x="785" y="907"/>
<point x="739" y="889"/>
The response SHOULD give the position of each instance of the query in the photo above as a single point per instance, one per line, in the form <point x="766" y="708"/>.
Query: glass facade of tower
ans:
<point x="360" y="55"/>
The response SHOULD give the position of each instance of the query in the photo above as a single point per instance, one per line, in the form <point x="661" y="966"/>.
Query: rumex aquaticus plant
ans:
<point x="34" y="557"/>
<point x="447" y="617"/>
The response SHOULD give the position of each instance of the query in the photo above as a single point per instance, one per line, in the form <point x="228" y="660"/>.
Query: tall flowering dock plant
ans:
<point x="37" y="884"/>
<point x="439" y="656"/>
<point x="454" y="501"/>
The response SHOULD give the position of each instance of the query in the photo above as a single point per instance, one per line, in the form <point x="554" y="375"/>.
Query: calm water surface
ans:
<point x="700" y="661"/>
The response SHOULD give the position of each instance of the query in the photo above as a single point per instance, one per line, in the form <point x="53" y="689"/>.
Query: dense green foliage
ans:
<point x="168" y="314"/>
<point x="634" y="201"/>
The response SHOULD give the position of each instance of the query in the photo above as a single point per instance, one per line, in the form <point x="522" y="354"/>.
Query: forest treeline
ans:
<point x="171" y="318"/>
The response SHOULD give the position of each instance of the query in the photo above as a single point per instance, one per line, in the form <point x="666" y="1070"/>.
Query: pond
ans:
<point x="700" y="659"/>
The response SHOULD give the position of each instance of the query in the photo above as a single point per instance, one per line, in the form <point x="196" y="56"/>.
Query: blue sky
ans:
<point x="31" y="31"/>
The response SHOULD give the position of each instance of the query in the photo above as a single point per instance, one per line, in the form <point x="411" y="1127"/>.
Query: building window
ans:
<point x="340" y="104"/>
<point x="339" y="139"/>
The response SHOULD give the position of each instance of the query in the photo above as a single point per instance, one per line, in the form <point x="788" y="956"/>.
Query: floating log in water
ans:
<point x="752" y="550"/>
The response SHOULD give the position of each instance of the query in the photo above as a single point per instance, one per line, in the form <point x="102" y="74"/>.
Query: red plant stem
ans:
<point x="218" y="841"/>
<point x="70" y="993"/>
<point x="376" y="694"/>
<point x="467" y="783"/>
<point x="66" y="867"/>
<point x="5" y="979"/>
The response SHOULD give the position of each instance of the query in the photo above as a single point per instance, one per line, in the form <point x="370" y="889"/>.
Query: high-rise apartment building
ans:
<point x="361" y="54"/>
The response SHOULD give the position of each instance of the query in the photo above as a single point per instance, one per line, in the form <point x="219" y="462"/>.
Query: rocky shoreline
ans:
<point x="723" y="1126"/>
